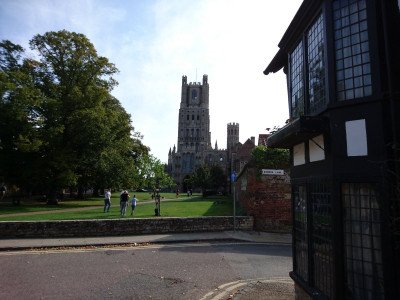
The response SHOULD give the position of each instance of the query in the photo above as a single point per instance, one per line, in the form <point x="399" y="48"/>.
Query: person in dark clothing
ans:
<point x="123" y="202"/>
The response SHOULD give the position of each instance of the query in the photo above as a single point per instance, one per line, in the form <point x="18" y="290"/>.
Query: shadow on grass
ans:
<point x="35" y="206"/>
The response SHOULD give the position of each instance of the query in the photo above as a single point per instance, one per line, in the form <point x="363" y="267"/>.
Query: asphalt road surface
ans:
<point x="174" y="271"/>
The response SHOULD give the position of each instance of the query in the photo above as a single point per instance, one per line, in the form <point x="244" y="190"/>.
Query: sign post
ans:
<point x="233" y="180"/>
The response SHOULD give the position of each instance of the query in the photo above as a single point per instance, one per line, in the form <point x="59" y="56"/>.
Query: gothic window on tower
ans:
<point x="194" y="94"/>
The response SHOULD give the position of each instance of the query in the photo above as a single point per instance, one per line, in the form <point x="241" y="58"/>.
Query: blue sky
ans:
<point x="154" y="42"/>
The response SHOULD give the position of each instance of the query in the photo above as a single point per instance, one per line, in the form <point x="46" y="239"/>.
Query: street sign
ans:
<point x="272" y="172"/>
<point x="233" y="176"/>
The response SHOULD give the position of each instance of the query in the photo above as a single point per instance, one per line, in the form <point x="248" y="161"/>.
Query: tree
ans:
<point x="208" y="178"/>
<point x="75" y="82"/>
<point x="200" y="178"/>
<point x="20" y="119"/>
<point x="60" y="126"/>
<point x="264" y="157"/>
<point x="217" y="178"/>
<point x="153" y="173"/>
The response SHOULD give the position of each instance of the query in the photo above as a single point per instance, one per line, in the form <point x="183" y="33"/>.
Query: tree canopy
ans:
<point x="60" y="127"/>
<point x="264" y="157"/>
<point x="208" y="178"/>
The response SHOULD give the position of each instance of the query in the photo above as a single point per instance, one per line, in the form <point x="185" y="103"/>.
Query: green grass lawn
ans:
<point x="183" y="206"/>
<point x="6" y="206"/>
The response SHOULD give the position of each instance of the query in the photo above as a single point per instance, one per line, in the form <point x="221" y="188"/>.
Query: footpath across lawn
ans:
<point x="92" y="208"/>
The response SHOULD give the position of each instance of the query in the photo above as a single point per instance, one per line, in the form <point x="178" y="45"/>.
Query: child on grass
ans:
<point x="133" y="204"/>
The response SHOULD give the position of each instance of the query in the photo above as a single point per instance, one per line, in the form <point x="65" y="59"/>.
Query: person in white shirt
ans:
<point x="107" y="200"/>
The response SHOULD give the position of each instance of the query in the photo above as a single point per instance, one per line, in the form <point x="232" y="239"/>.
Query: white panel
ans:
<point x="356" y="138"/>
<point x="316" y="148"/>
<point x="243" y="183"/>
<point x="299" y="157"/>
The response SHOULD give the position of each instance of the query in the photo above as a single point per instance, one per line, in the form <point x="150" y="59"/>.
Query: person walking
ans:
<point x="3" y="191"/>
<point x="123" y="202"/>
<point x="133" y="204"/>
<point x="107" y="200"/>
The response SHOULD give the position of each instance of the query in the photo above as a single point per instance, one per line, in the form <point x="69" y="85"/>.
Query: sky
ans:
<point x="154" y="43"/>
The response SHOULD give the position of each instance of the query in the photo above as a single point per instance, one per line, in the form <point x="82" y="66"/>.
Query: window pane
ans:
<point x="351" y="37"/>
<point x="363" y="256"/>
<point x="321" y="235"/>
<point x="296" y="81"/>
<point x="300" y="231"/>
<point x="316" y="65"/>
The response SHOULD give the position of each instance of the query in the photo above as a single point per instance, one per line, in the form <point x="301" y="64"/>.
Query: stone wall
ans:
<point x="267" y="198"/>
<point x="80" y="228"/>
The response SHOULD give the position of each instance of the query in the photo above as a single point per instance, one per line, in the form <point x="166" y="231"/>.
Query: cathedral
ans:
<point x="194" y="147"/>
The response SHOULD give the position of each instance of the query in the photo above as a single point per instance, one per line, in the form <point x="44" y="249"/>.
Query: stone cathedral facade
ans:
<point x="194" y="147"/>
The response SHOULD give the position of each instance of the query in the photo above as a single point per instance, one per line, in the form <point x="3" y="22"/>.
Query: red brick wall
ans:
<point x="266" y="198"/>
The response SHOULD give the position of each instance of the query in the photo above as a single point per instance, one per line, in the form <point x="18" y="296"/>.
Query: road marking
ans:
<point x="223" y="291"/>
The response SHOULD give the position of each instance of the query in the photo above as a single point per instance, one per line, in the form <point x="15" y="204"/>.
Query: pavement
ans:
<point x="258" y="288"/>
<point x="249" y="236"/>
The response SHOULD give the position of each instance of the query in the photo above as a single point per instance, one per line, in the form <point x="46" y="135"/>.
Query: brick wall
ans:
<point x="267" y="198"/>
<point x="76" y="228"/>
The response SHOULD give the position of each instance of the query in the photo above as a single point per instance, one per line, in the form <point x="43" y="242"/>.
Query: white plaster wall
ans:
<point x="299" y="157"/>
<point x="316" y="153"/>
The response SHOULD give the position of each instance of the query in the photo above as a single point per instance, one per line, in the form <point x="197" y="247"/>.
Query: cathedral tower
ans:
<point x="194" y="117"/>
<point x="194" y="137"/>
<point x="232" y="135"/>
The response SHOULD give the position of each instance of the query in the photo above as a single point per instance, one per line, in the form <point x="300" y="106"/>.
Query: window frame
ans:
<point x="305" y="68"/>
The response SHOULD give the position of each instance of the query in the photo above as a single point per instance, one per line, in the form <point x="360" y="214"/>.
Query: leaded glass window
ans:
<point x="363" y="249"/>
<point x="312" y="62"/>
<point x="300" y="232"/>
<point x="321" y="236"/>
<point x="352" y="56"/>
<point x="296" y="81"/>
<point x="316" y="65"/>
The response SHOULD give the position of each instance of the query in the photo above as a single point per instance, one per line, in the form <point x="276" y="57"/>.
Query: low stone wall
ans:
<point x="115" y="227"/>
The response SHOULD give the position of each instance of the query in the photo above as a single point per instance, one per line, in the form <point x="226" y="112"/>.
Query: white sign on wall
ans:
<point x="272" y="172"/>
<point x="356" y="138"/>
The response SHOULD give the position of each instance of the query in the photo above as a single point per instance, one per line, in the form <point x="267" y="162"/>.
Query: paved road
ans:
<point x="174" y="271"/>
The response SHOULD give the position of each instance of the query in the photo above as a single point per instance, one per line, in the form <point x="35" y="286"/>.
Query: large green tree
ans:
<point x="153" y="174"/>
<point x="60" y="126"/>
<point x="208" y="178"/>
<point x="20" y="118"/>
